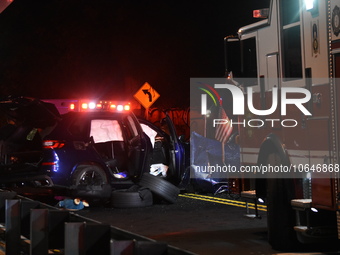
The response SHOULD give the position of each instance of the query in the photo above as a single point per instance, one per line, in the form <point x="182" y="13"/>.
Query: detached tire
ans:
<point x="160" y="187"/>
<point x="129" y="198"/>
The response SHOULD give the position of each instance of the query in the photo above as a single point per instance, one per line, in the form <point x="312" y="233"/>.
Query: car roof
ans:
<point x="96" y="114"/>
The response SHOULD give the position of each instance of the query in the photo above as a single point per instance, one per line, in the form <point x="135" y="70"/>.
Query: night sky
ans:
<point x="108" y="49"/>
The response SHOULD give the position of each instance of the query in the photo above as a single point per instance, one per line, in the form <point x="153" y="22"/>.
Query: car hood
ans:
<point x="29" y="111"/>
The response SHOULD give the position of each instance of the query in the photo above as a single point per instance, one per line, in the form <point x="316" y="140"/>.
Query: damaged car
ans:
<point x="23" y="124"/>
<point x="97" y="147"/>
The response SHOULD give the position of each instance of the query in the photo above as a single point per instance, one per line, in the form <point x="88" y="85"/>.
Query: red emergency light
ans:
<point x="261" y="13"/>
<point x="84" y="106"/>
<point x="87" y="105"/>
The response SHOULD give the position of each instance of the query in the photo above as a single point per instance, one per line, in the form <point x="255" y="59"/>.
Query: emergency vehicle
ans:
<point x="296" y="44"/>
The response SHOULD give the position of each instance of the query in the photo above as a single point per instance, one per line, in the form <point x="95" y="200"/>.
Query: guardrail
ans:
<point x="31" y="227"/>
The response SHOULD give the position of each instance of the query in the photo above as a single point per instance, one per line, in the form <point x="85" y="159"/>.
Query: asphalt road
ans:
<point x="196" y="224"/>
<point x="200" y="224"/>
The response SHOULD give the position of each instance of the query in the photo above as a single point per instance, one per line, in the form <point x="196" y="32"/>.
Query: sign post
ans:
<point x="146" y="96"/>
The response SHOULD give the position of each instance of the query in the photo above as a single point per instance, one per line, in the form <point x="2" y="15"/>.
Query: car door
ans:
<point x="137" y="146"/>
<point x="175" y="150"/>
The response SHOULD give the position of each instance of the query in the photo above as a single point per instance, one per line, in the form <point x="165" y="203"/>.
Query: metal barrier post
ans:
<point x="39" y="232"/>
<point x="98" y="238"/>
<point x="12" y="225"/>
<point x="56" y="228"/>
<point x="83" y="238"/>
<point x="26" y="207"/>
<point x="74" y="238"/>
<point x="150" y="248"/>
<point x="3" y="197"/>
<point x="122" y="247"/>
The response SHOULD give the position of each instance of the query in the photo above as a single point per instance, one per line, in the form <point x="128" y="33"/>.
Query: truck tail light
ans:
<point x="53" y="144"/>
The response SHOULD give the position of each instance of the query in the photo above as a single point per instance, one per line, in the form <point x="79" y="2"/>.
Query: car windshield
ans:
<point x="105" y="131"/>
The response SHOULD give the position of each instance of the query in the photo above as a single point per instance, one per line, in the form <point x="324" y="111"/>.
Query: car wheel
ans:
<point x="280" y="214"/>
<point x="160" y="187"/>
<point x="90" y="181"/>
<point x="133" y="197"/>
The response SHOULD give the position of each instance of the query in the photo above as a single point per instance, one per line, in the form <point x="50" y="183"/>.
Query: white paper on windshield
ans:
<point x="106" y="131"/>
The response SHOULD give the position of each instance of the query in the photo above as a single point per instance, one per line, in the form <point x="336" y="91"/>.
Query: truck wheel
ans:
<point x="160" y="187"/>
<point x="90" y="182"/>
<point x="280" y="215"/>
<point x="133" y="197"/>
